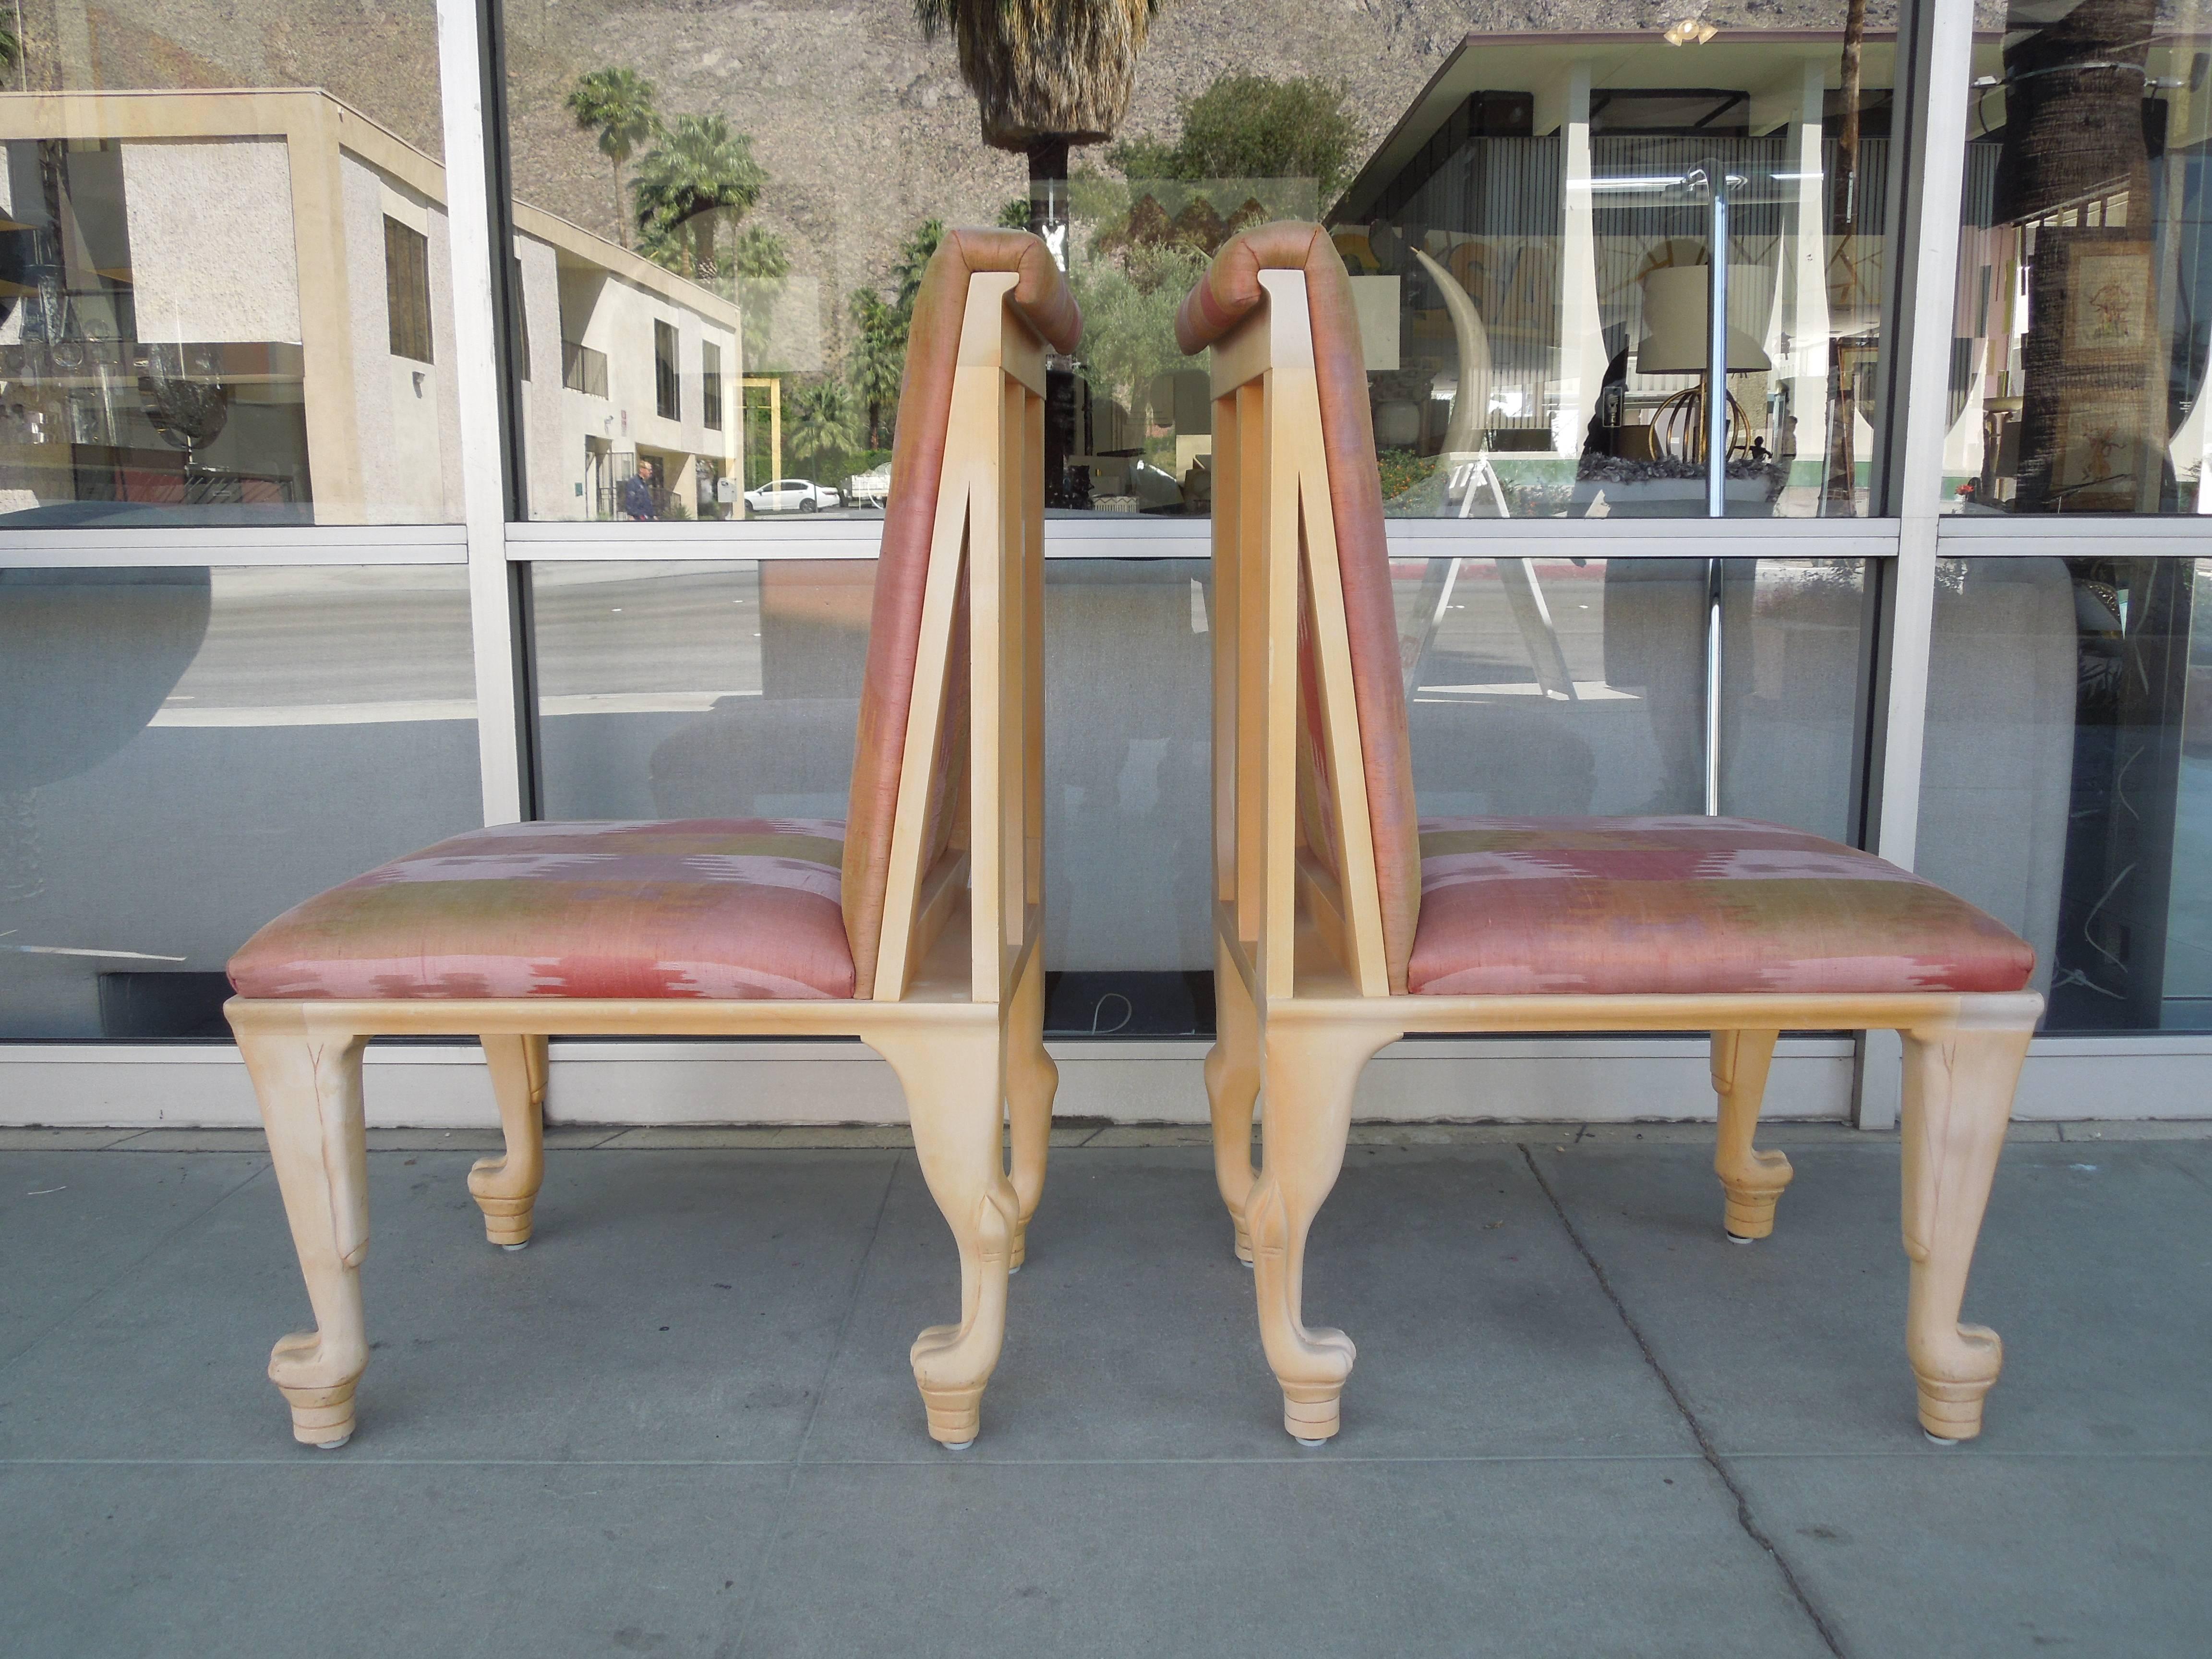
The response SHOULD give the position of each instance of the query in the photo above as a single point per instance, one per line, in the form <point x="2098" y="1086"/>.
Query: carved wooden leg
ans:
<point x="309" y="1087"/>
<point x="1306" y="1104"/>
<point x="1031" y="1080"/>
<point x="1753" y="1179"/>
<point x="1958" y="1085"/>
<point x="1232" y="1086"/>
<point x="505" y="1187"/>
<point x="954" y="1090"/>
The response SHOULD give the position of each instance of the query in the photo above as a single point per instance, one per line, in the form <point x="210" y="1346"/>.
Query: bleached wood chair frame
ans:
<point x="1303" y="992"/>
<point x="958" y="1007"/>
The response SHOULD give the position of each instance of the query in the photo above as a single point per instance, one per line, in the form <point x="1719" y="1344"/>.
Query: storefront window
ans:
<point x="2067" y="786"/>
<point x="732" y="689"/>
<point x="2084" y="310"/>
<point x="1580" y="686"/>
<point x="1526" y="217"/>
<point x="216" y="306"/>
<point x="186" y="752"/>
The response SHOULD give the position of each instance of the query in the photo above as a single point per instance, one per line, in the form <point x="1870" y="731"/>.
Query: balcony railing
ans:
<point x="583" y="369"/>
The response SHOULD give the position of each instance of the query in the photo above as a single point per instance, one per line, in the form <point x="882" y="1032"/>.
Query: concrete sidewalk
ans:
<point x="681" y="1421"/>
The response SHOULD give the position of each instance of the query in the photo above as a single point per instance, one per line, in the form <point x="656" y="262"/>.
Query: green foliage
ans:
<point x="620" y="106"/>
<point x="820" y="422"/>
<point x="699" y="176"/>
<point x="1129" y="306"/>
<point x="913" y="260"/>
<point x="1402" y="469"/>
<point x="760" y="256"/>
<point x="877" y="363"/>
<point x="1015" y="214"/>
<point x="1252" y="126"/>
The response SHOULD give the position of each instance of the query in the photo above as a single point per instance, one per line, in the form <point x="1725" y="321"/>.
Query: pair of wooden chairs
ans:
<point x="1341" y="923"/>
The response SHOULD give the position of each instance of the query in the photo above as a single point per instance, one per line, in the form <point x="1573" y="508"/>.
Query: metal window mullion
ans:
<point x="1927" y="179"/>
<point x="496" y="611"/>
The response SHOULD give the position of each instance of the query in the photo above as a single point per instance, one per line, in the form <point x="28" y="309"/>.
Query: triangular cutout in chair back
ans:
<point x="925" y="409"/>
<point x="1229" y="292"/>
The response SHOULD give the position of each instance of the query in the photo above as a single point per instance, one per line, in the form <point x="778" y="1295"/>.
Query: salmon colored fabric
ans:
<point x="1228" y="292"/>
<point x="705" y="907"/>
<point x="722" y="908"/>
<point x="1042" y="297"/>
<point x="1683" y="904"/>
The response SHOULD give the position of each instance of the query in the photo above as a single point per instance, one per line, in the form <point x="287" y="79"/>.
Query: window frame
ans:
<point x="1902" y="545"/>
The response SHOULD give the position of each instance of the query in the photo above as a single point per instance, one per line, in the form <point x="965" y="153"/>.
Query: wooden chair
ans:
<point x="1342" y="924"/>
<point x="913" y="924"/>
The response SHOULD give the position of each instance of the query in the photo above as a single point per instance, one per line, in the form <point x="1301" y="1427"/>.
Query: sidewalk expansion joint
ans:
<point x="1706" y="1448"/>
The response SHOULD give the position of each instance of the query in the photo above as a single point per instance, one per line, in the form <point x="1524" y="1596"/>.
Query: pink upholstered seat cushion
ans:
<point x="1626" y="905"/>
<point x="722" y="908"/>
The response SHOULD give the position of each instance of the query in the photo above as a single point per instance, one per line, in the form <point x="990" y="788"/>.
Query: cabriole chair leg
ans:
<point x="1959" y="1086"/>
<point x="1306" y="1105"/>
<point x="505" y="1187"/>
<point x="1753" y="1179"/>
<point x="954" y="1092"/>
<point x="1032" y="1079"/>
<point x="309" y="1087"/>
<point x="1232" y="1088"/>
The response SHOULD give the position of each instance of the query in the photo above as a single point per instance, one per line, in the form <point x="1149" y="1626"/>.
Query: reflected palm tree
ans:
<point x="699" y="176"/>
<point x="822" y="422"/>
<point x="618" y="104"/>
<point x="1048" y="73"/>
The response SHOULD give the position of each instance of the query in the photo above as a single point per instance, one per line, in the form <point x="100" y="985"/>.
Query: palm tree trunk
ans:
<point x="622" y="207"/>
<point x="1048" y="195"/>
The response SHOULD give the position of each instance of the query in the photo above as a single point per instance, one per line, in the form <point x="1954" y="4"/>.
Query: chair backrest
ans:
<point x="1291" y="432"/>
<point x="961" y="559"/>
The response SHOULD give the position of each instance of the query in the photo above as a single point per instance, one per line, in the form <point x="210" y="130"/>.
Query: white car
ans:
<point x="790" y="496"/>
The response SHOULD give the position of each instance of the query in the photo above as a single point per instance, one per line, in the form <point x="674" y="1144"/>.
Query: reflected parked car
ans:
<point x="790" y="496"/>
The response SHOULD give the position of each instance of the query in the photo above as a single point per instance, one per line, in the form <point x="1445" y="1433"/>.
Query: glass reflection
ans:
<point x="184" y="753"/>
<point x="2084" y="309"/>
<point x="1527" y="338"/>
<point x="221" y="306"/>
<point x="2068" y="778"/>
<point x="1565" y="686"/>
<point x="733" y="690"/>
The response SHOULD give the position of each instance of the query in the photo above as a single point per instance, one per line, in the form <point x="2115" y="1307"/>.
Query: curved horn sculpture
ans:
<point x="1471" y="408"/>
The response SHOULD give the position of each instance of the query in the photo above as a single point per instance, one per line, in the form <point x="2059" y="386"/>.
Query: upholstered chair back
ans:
<point x="1042" y="295"/>
<point x="1231" y="291"/>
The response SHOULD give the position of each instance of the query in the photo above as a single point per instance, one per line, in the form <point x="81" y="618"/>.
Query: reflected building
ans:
<point x="234" y="307"/>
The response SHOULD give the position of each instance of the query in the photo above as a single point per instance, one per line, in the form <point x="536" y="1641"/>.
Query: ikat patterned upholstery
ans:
<point x="702" y="908"/>
<point x="1687" y="904"/>
<point x="736" y="908"/>
<point x="1228" y="293"/>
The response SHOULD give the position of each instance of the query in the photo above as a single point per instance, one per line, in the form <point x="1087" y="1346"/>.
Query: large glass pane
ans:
<point x="1526" y="217"/>
<point x="1550" y="686"/>
<point x="224" y="306"/>
<point x="2067" y="786"/>
<point x="184" y="753"/>
<point x="2084" y="308"/>
<point x="732" y="689"/>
